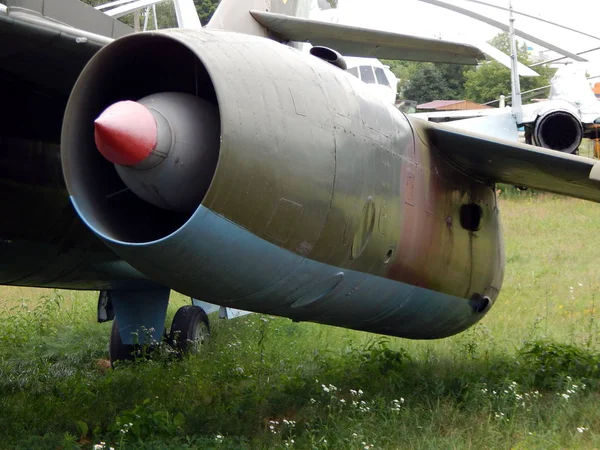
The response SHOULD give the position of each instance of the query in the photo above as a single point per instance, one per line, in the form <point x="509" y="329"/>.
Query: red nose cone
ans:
<point x="125" y="133"/>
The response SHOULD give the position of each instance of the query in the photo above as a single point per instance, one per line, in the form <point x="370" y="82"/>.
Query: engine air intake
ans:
<point x="145" y="167"/>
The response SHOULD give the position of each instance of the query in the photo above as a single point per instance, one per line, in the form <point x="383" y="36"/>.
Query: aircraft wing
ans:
<point x="497" y="160"/>
<point x="449" y="116"/>
<point x="40" y="61"/>
<point x="505" y="60"/>
<point x="530" y="112"/>
<point x="363" y="42"/>
<point x="43" y="52"/>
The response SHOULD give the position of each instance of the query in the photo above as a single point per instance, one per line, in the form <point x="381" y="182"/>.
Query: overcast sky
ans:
<point x="416" y="17"/>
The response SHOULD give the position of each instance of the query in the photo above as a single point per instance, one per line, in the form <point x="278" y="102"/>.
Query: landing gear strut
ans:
<point x="189" y="331"/>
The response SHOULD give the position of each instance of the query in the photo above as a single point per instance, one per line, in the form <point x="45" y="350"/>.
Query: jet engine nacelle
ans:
<point x="313" y="202"/>
<point x="556" y="129"/>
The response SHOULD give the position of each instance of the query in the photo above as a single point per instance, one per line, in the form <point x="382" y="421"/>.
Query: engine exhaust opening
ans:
<point x="329" y="55"/>
<point x="131" y="68"/>
<point x="479" y="303"/>
<point x="558" y="130"/>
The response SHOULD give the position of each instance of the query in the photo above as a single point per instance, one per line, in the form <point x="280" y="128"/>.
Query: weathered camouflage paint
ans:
<point x="326" y="204"/>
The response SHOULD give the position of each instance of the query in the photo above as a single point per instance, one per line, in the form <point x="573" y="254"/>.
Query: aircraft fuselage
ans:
<point x="326" y="204"/>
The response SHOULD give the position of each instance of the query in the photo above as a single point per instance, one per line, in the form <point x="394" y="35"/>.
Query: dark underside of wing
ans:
<point x="495" y="160"/>
<point x="40" y="60"/>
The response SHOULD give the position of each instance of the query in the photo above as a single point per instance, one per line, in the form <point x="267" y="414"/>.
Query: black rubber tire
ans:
<point x="190" y="329"/>
<point x="118" y="351"/>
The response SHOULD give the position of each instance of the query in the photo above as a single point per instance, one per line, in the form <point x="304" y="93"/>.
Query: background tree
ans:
<point x="165" y="12"/>
<point x="423" y="82"/>
<point x="205" y="9"/>
<point x="426" y="83"/>
<point x="492" y="79"/>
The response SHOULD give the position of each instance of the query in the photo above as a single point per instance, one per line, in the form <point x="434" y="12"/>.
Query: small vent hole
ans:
<point x="470" y="216"/>
<point x="388" y="256"/>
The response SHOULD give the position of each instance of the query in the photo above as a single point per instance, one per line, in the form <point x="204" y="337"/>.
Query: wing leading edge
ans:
<point x="355" y="41"/>
<point x="496" y="160"/>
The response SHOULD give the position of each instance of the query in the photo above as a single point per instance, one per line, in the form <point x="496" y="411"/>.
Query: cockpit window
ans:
<point x="353" y="71"/>
<point x="381" y="78"/>
<point x="366" y="74"/>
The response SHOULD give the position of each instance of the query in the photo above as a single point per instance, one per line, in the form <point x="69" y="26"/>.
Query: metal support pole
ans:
<point x="517" y="103"/>
<point x="146" y="14"/>
<point x="136" y="20"/>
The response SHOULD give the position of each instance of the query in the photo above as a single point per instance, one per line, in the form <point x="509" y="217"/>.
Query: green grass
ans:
<point x="526" y="377"/>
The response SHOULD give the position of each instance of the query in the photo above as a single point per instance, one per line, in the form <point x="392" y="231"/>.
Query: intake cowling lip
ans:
<point x="116" y="242"/>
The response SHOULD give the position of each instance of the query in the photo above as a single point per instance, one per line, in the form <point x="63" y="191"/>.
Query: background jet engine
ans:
<point x="556" y="129"/>
<point x="245" y="173"/>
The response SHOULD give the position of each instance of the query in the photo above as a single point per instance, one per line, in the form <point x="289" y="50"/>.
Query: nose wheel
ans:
<point x="190" y="329"/>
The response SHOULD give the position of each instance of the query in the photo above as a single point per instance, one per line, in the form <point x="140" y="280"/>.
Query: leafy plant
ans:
<point x="550" y="362"/>
<point x="147" y="420"/>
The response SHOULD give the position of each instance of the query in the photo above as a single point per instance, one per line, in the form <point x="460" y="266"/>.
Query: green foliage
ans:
<point x="551" y="362"/>
<point x="378" y="359"/>
<point x="147" y="420"/>
<point x="423" y="82"/>
<point x="492" y="79"/>
<point x="205" y="9"/>
<point x="427" y="82"/>
<point x="488" y="82"/>
<point x="165" y="14"/>
<point x="82" y="429"/>
<point x="22" y="323"/>
<point x="95" y="3"/>
<point x="525" y="377"/>
<point x="401" y="69"/>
